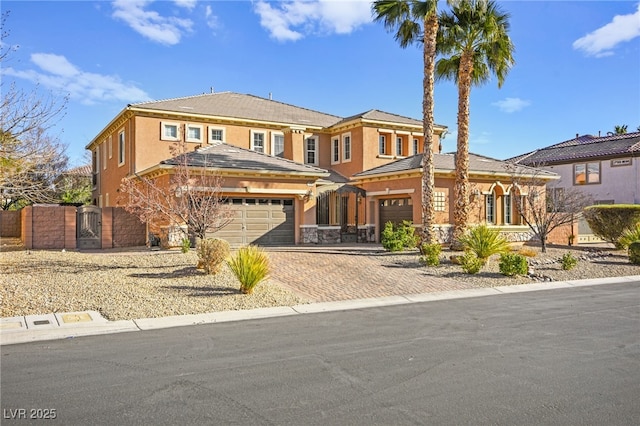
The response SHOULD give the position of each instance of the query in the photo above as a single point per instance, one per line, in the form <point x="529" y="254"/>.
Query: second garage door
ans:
<point x="260" y="221"/>
<point x="395" y="210"/>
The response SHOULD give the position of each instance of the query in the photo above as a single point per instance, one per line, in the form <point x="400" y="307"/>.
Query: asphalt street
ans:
<point x="562" y="357"/>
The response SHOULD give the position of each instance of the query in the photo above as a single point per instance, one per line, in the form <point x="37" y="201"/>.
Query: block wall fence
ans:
<point x="54" y="227"/>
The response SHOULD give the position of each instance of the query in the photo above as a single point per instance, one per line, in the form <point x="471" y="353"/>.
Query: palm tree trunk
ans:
<point x="461" y="187"/>
<point x="428" y="173"/>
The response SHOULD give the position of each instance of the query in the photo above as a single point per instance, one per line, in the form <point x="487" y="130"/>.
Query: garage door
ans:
<point x="261" y="221"/>
<point x="395" y="210"/>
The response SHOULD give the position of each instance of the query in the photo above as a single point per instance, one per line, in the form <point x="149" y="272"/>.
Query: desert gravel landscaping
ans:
<point x="148" y="284"/>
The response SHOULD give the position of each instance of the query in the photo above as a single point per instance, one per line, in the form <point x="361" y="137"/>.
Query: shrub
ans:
<point x="185" y="245"/>
<point x="471" y="263"/>
<point x="211" y="254"/>
<point x="610" y="221"/>
<point x="513" y="264"/>
<point x="568" y="261"/>
<point x="634" y="252"/>
<point x="484" y="242"/>
<point x="629" y="236"/>
<point x="527" y="252"/>
<point x="398" y="238"/>
<point x="250" y="265"/>
<point x="430" y="254"/>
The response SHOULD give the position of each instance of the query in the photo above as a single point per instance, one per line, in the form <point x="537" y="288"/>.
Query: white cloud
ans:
<point x="212" y="20"/>
<point x="293" y="20"/>
<point x="602" y="41"/>
<point x="162" y="29"/>
<point x="57" y="73"/>
<point x="510" y="105"/>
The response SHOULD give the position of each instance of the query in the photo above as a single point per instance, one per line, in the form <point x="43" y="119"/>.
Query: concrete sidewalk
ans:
<point x="32" y="328"/>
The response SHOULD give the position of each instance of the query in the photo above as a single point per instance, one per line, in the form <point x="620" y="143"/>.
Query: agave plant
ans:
<point x="484" y="242"/>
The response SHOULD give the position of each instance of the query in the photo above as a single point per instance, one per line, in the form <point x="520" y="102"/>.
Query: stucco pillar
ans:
<point x="294" y="144"/>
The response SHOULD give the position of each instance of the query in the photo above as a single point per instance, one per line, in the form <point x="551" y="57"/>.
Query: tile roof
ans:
<point x="478" y="164"/>
<point x="239" y="106"/>
<point x="583" y="148"/>
<point x="377" y="115"/>
<point x="225" y="156"/>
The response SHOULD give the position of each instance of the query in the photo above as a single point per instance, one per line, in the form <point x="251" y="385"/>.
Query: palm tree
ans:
<point x="473" y="43"/>
<point x="417" y="22"/>
<point x="620" y="130"/>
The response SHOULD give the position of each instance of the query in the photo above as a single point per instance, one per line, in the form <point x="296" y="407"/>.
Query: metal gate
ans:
<point x="89" y="227"/>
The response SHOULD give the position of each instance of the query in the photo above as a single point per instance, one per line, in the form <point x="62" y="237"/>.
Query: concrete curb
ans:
<point x="33" y="328"/>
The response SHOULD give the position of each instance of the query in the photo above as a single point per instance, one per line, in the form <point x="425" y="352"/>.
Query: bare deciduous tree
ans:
<point x="544" y="208"/>
<point x="188" y="195"/>
<point x="30" y="158"/>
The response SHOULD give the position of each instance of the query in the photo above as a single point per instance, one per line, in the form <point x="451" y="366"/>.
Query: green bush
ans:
<point x="430" y="254"/>
<point x="185" y="245"/>
<point x="211" y="254"/>
<point x="611" y="221"/>
<point x="484" y="242"/>
<point x="400" y="237"/>
<point x="513" y="264"/>
<point x="250" y="265"/>
<point x="634" y="252"/>
<point x="471" y="263"/>
<point x="568" y="261"/>
<point x="629" y="236"/>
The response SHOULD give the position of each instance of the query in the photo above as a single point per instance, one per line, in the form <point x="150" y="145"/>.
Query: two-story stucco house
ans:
<point x="294" y="175"/>
<point x="605" y="167"/>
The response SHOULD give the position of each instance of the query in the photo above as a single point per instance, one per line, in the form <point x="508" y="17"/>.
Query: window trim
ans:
<point x="416" y="146"/>
<point x="347" y="146"/>
<point x="382" y="145"/>
<point x="223" y="133"/>
<point x="190" y="126"/>
<point x="507" y="209"/>
<point x="273" y="144"/>
<point x="110" y="139"/>
<point x="121" y="148"/>
<point x="103" y="148"/>
<point x="335" y="150"/>
<point x="307" y="151"/>
<point x="586" y="173"/>
<point x="490" y="196"/>
<point x="252" y="145"/>
<point x="166" y="124"/>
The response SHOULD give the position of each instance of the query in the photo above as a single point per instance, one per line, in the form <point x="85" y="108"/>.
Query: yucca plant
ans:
<point x="484" y="242"/>
<point x="629" y="236"/>
<point x="250" y="265"/>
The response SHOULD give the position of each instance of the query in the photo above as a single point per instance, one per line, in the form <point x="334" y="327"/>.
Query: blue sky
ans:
<point x="577" y="64"/>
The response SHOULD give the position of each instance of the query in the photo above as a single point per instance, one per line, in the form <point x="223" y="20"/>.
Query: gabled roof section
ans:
<point x="586" y="147"/>
<point x="238" y="106"/>
<point x="445" y="163"/>
<point x="377" y="115"/>
<point x="228" y="157"/>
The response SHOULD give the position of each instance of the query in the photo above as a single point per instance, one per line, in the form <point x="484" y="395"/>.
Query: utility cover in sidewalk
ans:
<point x="82" y="317"/>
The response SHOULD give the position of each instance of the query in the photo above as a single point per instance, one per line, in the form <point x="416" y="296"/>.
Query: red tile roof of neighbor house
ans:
<point x="84" y="170"/>
<point x="583" y="147"/>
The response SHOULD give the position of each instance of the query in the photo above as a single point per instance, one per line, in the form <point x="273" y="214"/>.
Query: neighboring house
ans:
<point x="605" y="167"/>
<point x="292" y="175"/>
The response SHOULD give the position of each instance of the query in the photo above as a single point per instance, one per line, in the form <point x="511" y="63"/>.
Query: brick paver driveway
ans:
<point x="342" y="272"/>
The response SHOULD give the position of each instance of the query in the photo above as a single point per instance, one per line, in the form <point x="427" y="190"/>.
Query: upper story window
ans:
<point x="121" y="146"/>
<point x="346" y="147"/>
<point x="257" y="141"/>
<point x="382" y="145"/>
<point x="311" y="150"/>
<point x="586" y="173"/>
<point x="399" y="151"/>
<point x="194" y="133"/>
<point x="170" y="131"/>
<point x="416" y="146"/>
<point x="277" y="144"/>
<point x="490" y="208"/>
<point x="335" y="150"/>
<point x="216" y="134"/>
<point x="104" y="154"/>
